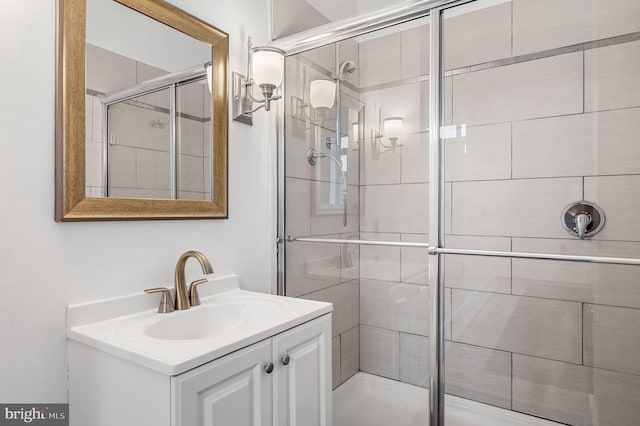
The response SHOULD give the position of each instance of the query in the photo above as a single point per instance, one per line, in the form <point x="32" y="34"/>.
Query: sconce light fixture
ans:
<point x="265" y="69"/>
<point x="392" y="131"/>
<point x="209" y="69"/>
<point x="322" y="97"/>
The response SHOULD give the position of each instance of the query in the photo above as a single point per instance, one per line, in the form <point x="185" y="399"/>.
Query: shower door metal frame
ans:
<point x="359" y="25"/>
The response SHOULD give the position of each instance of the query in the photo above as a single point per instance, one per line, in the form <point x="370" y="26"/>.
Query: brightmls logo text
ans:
<point x="37" y="414"/>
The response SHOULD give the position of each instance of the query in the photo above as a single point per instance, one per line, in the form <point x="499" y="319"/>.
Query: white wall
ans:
<point x="44" y="265"/>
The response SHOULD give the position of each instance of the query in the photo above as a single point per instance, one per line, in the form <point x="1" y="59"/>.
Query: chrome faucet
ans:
<point x="582" y="220"/>
<point x="182" y="300"/>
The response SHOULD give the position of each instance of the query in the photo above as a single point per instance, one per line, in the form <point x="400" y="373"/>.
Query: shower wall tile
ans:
<point x="583" y="282"/>
<point x="312" y="267"/>
<point x="395" y="208"/>
<point x="327" y="208"/>
<point x="122" y="167"/>
<point x="414" y="51"/>
<point x="139" y="193"/>
<point x="298" y="198"/>
<point x="545" y="24"/>
<point x="474" y="36"/>
<point x="395" y="306"/>
<point x="190" y="137"/>
<point x="96" y="126"/>
<point x="130" y="125"/>
<point x="297" y="141"/>
<point x="414" y="359"/>
<point x="479" y="374"/>
<point x="190" y="99"/>
<point x="379" y="167"/>
<point x="578" y="145"/>
<point x="190" y="173"/>
<point x="611" y="75"/>
<point x="349" y="259"/>
<point x="346" y="304"/>
<point x="349" y="353"/>
<point x="520" y="208"/>
<point x="93" y="164"/>
<point x="414" y="262"/>
<point x="575" y="394"/>
<point x="380" y="60"/>
<point x="612" y="338"/>
<point x="380" y="352"/>
<point x="324" y="56"/>
<point x="108" y="71"/>
<point x="350" y="50"/>
<point x="545" y="87"/>
<point x="618" y="196"/>
<point x="380" y="262"/>
<point x="491" y="274"/>
<point x="539" y="327"/>
<point x="484" y="154"/>
<point x="152" y="170"/>
<point x="335" y="362"/>
<point x="190" y="195"/>
<point x="415" y="158"/>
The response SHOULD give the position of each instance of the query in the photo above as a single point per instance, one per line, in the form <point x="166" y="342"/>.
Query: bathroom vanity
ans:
<point x="240" y="358"/>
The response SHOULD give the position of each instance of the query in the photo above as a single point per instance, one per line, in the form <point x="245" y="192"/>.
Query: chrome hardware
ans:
<point x="582" y="219"/>
<point x="182" y="300"/>
<point x="285" y="360"/>
<point x="194" y="297"/>
<point x="166" y="302"/>
<point x="268" y="368"/>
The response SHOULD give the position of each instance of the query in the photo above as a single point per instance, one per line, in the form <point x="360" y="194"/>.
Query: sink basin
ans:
<point x="214" y="320"/>
<point x="228" y="319"/>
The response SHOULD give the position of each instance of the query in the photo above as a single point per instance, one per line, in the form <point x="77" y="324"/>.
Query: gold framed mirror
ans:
<point x="82" y="129"/>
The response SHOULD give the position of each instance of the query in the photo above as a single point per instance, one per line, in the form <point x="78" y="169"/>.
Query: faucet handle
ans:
<point x="194" y="298"/>
<point x="166" y="301"/>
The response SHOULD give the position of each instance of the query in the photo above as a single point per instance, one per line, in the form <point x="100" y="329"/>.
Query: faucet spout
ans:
<point x="182" y="299"/>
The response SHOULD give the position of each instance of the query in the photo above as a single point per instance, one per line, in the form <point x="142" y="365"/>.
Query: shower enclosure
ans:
<point x="467" y="200"/>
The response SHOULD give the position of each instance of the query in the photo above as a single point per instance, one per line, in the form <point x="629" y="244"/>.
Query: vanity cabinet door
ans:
<point x="234" y="390"/>
<point x="303" y="375"/>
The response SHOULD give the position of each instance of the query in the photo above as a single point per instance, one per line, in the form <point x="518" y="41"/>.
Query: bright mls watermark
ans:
<point x="36" y="414"/>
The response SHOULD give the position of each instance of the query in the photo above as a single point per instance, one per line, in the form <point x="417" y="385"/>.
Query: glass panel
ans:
<point x="380" y="294"/>
<point x="542" y="103"/>
<point x="139" y="147"/>
<point x="193" y="118"/>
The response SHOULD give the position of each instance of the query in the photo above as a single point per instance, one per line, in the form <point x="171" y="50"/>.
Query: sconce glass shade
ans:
<point x="209" y="69"/>
<point x="322" y="93"/>
<point x="356" y="130"/>
<point x="267" y="66"/>
<point x="392" y="127"/>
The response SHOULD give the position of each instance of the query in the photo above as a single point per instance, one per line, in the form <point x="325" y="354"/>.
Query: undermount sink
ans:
<point x="214" y="319"/>
<point x="228" y="319"/>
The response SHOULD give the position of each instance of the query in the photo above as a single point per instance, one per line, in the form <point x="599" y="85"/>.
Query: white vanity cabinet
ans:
<point x="239" y="390"/>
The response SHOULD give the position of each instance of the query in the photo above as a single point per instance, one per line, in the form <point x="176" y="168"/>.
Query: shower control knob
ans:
<point x="268" y="368"/>
<point x="285" y="360"/>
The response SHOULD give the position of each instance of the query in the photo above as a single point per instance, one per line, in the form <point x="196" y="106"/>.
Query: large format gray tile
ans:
<point x="473" y="35"/>
<point x="414" y="262"/>
<point x="379" y="166"/>
<point x="395" y="306"/>
<point x="380" y="352"/>
<point x="479" y="374"/>
<point x="575" y="394"/>
<point x="298" y="196"/>
<point x="583" y="282"/>
<point x="380" y="262"/>
<point x="414" y="50"/>
<point x="611" y="76"/>
<point x="519" y="208"/>
<point x="541" y="88"/>
<point x="394" y="208"/>
<point x="539" y="327"/>
<point x="346" y="304"/>
<point x="415" y="158"/>
<point x="548" y="24"/>
<point x="476" y="272"/>
<point x="327" y="208"/>
<point x="335" y="362"/>
<point x="153" y="171"/>
<point x="414" y="359"/>
<point x="122" y="167"/>
<point x="612" y="338"/>
<point x="312" y="267"/>
<point x="349" y="353"/>
<point x="483" y="154"/>
<point x="619" y="198"/>
<point x="578" y="145"/>
<point x="376" y="68"/>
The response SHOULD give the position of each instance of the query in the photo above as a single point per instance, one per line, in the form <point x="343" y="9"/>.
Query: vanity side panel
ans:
<point x="105" y="390"/>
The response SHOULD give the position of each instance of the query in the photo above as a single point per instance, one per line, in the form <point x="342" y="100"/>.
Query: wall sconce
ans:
<point x="209" y="69"/>
<point x="392" y="131"/>
<point x="265" y="69"/>
<point x="322" y="97"/>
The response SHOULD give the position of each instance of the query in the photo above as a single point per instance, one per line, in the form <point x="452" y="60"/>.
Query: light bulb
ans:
<point x="322" y="93"/>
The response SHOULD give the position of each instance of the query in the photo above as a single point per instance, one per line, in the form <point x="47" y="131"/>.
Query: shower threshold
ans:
<point x="370" y="400"/>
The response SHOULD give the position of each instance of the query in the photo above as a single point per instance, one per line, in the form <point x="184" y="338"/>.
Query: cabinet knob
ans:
<point x="268" y="367"/>
<point x="285" y="360"/>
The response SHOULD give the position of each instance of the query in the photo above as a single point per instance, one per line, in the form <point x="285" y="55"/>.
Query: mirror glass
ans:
<point x="148" y="108"/>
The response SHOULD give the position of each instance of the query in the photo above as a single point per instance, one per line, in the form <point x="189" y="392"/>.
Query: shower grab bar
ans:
<point x="486" y="253"/>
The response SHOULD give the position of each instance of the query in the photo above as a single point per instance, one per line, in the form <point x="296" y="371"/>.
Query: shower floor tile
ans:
<point x="369" y="400"/>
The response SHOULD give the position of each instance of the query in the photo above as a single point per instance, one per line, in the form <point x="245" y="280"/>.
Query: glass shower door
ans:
<point x="541" y="112"/>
